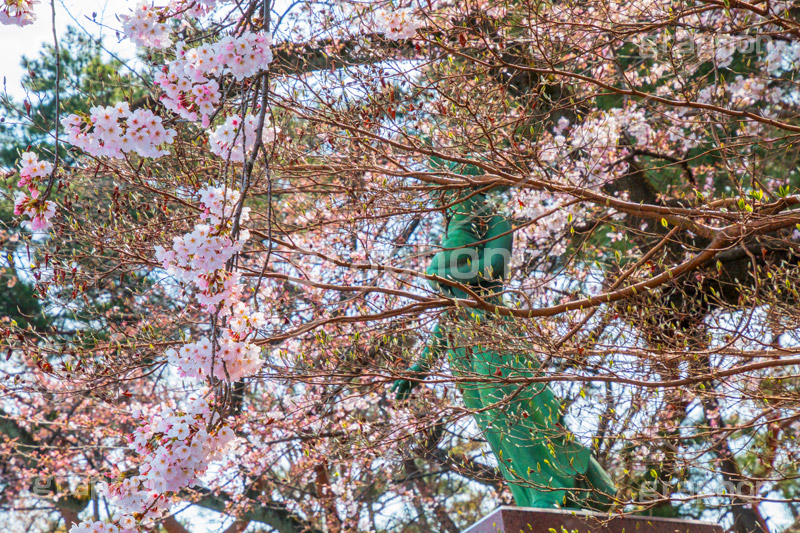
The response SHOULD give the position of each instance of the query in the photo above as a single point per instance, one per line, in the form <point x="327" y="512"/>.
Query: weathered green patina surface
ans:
<point x="541" y="460"/>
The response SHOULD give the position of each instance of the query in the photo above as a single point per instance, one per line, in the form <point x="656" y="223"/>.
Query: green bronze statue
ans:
<point x="541" y="460"/>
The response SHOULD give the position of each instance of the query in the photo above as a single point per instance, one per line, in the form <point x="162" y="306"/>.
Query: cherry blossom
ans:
<point x="39" y="211"/>
<point x="146" y="26"/>
<point x="32" y="170"/>
<point x="219" y="204"/>
<point x="97" y="527"/>
<point x="193" y="8"/>
<point x="149" y="26"/>
<point x="113" y="131"/>
<point x="230" y="361"/>
<point x="176" y="447"/>
<point x="200" y="256"/>
<point x="397" y="24"/>
<point x="17" y="12"/>
<point x="245" y="55"/>
<point x="200" y="251"/>
<point x="235" y="137"/>
<point x="782" y="56"/>
<point x="188" y="84"/>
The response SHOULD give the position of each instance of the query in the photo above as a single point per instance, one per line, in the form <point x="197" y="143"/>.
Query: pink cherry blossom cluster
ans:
<point x="246" y="55"/>
<point x="219" y="204"/>
<point x="187" y="95"/>
<point x="200" y="255"/>
<point x="188" y="84"/>
<point x="177" y="447"/>
<point x="116" y="130"/>
<point x="148" y="25"/>
<point x="232" y="360"/>
<point x="32" y="170"/>
<point x="236" y="137"/>
<point x="17" y="12"/>
<point x="99" y="527"/>
<point x="199" y="252"/>
<point x="218" y="289"/>
<point x="397" y="24"/>
<point x="40" y="211"/>
<point x="595" y="144"/>
<point x="193" y="8"/>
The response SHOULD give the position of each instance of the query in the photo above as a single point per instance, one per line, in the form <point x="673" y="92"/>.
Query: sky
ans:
<point x="16" y="41"/>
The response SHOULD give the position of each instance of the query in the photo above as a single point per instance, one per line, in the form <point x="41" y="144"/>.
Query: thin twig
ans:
<point x="57" y="101"/>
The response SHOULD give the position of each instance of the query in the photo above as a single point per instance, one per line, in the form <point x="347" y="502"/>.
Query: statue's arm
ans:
<point x="419" y="370"/>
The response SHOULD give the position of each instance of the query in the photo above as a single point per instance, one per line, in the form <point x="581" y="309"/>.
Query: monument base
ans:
<point x="530" y="520"/>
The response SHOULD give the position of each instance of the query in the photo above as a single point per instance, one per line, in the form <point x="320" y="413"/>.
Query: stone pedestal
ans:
<point x="530" y="520"/>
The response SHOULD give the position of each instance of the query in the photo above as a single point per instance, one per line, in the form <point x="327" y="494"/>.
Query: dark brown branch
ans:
<point x="172" y="525"/>
<point x="326" y="54"/>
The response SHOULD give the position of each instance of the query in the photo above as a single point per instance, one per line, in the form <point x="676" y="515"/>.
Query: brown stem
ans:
<point x="172" y="525"/>
<point x="70" y="517"/>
